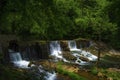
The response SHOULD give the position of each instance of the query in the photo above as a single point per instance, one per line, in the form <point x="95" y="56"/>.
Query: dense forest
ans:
<point x="62" y="19"/>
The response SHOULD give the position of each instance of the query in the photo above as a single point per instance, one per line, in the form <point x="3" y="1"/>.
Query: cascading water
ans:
<point x="51" y="76"/>
<point x="78" y="52"/>
<point x="47" y="75"/>
<point x="72" y="45"/>
<point x="16" y="59"/>
<point x="55" y="49"/>
<point x="90" y="56"/>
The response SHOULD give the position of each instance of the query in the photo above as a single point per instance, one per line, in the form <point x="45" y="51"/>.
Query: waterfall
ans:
<point x="79" y="52"/>
<point x="72" y="45"/>
<point x="16" y="59"/>
<point x="55" y="49"/>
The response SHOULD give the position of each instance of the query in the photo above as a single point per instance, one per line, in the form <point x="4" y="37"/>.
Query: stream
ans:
<point x="56" y="51"/>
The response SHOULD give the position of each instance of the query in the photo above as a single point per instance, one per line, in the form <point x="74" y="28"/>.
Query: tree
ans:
<point x="56" y="19"/>
<point x="113" y="10"/>
<point x="94" y="22"/>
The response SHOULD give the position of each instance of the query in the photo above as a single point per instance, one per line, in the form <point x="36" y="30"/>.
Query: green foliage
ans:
<point x="61" y="19"/>
<point x="113" y="10"/>
<point x="72" y="75"/>
<point x="94" y="70"/>
<point x="114" y="75"/>
<point x="60" y="63"/>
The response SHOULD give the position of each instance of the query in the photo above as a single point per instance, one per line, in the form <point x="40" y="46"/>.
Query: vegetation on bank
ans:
<point x="72" y="75"/>
<point x="106" y="73"/>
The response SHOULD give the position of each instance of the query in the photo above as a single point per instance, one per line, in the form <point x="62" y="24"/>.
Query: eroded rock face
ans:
<point x="35" y="50"/>
<point x="83" y="43"/>
<point x="64" y="45"/>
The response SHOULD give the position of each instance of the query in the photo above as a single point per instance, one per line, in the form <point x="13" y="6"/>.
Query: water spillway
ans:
<point x="55" y="49"/>
<point x="16" y="59"/>
<point x="48" y="75"/>
<point x="72" y="44"/>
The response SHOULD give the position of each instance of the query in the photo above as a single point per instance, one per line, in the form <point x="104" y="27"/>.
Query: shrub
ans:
<point x="94" y="70"/>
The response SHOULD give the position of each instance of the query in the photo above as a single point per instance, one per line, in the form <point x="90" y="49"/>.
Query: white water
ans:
<point x="55" y="49"/>
<point x="16" y="59"/>
<point x="49" y="76"/>
<point x="72" y="46"/>
<point x="79" y="52"/>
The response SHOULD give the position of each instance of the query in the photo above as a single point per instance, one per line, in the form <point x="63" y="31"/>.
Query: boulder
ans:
<point x="84" y="59"/>
<point x="68" y="55"/>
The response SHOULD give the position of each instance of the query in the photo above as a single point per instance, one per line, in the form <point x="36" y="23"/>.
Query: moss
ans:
<point x="114" y="74"/>
<point x="94" y="70"/>
<point x="82" y="39"/>
<point x="72" y="75"/>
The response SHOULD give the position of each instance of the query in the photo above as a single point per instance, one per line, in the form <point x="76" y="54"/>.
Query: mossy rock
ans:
<point x="68" y="55"/>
